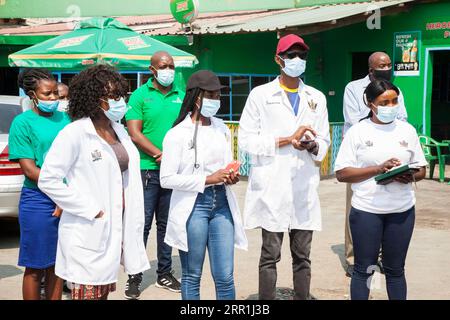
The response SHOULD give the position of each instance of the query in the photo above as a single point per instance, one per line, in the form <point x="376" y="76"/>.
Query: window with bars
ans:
<point x="232" y="100"/>
<point x="134" y="79"/>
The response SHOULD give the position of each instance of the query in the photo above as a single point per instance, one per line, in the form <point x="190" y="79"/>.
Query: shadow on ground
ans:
<point x="339" y="250"/>
<point x="150" y="276"/>
<point x="281" y="294"/>
<point x="7" y="270"/>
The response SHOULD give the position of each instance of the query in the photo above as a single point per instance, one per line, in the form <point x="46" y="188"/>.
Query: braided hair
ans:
<point x="374" y="90"/>
<point x="188" y="104"/>
<point x="29" y="78"/>
<point x="89" y="86"/>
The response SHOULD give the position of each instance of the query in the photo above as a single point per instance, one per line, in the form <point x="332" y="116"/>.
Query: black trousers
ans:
<point x="300" y="243"/>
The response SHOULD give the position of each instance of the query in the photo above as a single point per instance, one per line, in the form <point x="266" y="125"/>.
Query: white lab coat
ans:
<point x="355" y="107"/>
<point x="91" y="250"/>
<point x="177" y="173"/>
<point x="282" y="190"/>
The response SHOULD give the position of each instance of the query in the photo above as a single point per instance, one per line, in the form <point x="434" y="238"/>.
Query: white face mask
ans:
<point x="117" y="109"/>
<point x="63" y="105"/>
<point x="387" y="114"/>
<point x="294" y="67"/>
<point x="165" y="77"/>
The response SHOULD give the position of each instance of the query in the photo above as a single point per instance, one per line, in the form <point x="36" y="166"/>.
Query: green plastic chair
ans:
<point x="428" y="144"/>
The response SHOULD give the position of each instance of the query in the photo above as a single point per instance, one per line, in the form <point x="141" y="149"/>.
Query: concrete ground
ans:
<point x="427" y="264"/>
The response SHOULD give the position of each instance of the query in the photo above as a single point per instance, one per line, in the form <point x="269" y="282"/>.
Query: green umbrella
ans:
<point x="98" y="40"/>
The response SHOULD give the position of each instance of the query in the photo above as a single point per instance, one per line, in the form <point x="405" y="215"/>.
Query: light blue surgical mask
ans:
<point x="47" y="106"/>
<point x="387" y="114"/>
<point x="294" y="67"/>
<point x="209" y="107"/>
<point x="165" y="77"/>
<point x="117" y="109"/>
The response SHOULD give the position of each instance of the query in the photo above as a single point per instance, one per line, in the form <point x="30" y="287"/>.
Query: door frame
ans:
<point x="426" y="80"/>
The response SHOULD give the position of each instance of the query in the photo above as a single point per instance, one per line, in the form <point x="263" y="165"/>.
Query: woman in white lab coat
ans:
<point x="203" y="211"/>
<point x="92" y="173"/>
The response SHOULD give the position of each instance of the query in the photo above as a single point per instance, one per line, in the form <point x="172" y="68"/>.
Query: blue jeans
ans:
<point x="392" y="232"/>
<point x="209" y="225"/>
<point x="157" y="202"/>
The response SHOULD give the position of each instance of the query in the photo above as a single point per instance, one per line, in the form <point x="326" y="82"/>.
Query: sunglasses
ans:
<point x="292" y="54"/>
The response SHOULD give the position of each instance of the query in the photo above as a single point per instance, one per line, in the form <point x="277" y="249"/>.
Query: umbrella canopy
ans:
<point x="98" y="40"/>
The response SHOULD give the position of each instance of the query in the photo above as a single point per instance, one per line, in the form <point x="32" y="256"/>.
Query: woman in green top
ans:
<point x="30" y="138"/>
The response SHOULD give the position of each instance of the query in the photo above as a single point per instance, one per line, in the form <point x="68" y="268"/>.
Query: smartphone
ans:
<point x="306" y="139"/>
<point x="235" y="165"/>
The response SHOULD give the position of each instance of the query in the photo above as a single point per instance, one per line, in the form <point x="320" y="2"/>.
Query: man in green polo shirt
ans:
<point x="154" y="108"/>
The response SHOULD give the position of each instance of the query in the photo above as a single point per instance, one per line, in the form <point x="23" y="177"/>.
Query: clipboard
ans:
<point x="388" y="177"/>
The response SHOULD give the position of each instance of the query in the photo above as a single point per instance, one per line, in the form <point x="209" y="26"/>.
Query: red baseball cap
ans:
<point x="288" y="41"/>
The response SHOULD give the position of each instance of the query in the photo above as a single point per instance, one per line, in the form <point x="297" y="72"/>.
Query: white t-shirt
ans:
<point x="369" y="144"/>
<point x="213" y="143"/>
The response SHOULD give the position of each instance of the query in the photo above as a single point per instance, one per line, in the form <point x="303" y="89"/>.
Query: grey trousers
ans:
<point x="300" y="244"/>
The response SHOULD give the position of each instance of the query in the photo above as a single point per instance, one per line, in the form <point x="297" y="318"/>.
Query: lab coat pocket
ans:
<point x="94" y="234"/>
<point x="310" y="119"/>
<point x="258" y="177"/>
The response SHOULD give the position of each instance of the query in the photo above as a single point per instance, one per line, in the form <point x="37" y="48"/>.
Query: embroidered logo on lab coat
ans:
<point x="311" y="103"/>
<point x="404" y="144"/>
<point x="369" y="143"/>
<point x="96" y="155"/>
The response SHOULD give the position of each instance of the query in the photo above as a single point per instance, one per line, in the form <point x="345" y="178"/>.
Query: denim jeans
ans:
<point x="392" y="232"/>
<point x="211" y="226"/>
<point x="157" y="202"/>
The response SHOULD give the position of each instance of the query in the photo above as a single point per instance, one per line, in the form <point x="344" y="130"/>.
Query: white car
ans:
<point x="11" y="176"/>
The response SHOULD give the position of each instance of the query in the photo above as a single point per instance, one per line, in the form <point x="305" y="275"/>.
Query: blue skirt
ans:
<point x="38" y="230"/>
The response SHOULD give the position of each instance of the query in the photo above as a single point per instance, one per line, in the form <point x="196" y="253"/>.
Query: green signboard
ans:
<point x="184" y="11"/>
<point x="407" y="53"/>
<point x="438" y="29"/>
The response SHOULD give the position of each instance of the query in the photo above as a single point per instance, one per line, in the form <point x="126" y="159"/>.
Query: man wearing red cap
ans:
<point x="284" y="127"/>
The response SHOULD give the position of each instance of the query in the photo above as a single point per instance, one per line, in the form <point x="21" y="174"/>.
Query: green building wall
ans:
<point x="339" y="44"/>
<point x="330" y="61"/>
<point x="329" y="65"/>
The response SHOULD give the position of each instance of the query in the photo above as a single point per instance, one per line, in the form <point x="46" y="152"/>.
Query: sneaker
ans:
<point x="169" y="282"/>
<point x="133" y="287"/>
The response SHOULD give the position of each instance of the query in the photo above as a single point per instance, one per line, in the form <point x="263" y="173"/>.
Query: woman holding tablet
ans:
<point x="381" y="215"/>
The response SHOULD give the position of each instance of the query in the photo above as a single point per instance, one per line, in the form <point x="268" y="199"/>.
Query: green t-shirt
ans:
<point x="31" y="136"/>
<point x="158" y="112"/>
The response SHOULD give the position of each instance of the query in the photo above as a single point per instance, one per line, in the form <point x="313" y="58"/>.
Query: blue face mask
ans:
<point x="209" y="107"/>
<point x="387" y="114"/>
<point x="117" y="109"/>
<point x="294" y="67"/>
<point x="47" y="106"/>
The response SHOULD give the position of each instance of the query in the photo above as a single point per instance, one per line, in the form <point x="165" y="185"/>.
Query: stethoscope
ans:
<point x="194" y="141"/>
<point x="194" y="146"/>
